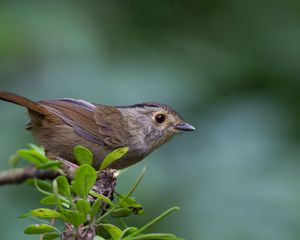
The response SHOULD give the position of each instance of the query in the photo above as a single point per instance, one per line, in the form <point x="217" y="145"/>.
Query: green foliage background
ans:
<point x="231" y="68"/>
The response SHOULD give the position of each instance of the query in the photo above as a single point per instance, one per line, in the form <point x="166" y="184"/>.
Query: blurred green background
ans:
<point x="231" y="68"/>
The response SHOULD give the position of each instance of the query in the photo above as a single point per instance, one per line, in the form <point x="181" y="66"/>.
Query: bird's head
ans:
<point x="155" y="123"/>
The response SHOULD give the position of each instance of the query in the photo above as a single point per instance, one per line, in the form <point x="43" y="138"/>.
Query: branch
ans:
<point x="19" y="175"/>
<point x="105" y="185"/>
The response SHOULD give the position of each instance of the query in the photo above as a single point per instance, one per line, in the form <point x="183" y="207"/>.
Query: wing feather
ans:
<point x="76" y="115"/>
<point x="99" y="124"/>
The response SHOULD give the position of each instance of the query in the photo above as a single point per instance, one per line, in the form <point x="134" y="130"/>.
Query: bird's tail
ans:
<point x="22" y="101"/>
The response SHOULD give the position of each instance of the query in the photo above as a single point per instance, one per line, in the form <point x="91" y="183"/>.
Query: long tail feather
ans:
<point x="22" y="101"/>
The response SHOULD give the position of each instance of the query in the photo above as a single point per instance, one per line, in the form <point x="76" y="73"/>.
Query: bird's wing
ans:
<point x="111" y="126"/>
<point x="97" y="123"/>
<point x="78" y="114"/>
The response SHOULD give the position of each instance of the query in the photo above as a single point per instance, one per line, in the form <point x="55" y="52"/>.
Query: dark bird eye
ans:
<point x="160" y="118"/>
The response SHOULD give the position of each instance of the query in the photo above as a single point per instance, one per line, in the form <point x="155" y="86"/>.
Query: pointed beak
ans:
<point x="184" y="127"/>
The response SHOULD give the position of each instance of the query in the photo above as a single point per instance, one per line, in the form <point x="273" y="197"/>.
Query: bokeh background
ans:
<point x="231" y="68"/>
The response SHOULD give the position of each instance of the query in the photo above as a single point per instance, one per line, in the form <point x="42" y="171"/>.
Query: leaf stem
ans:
<point x="155" y="220"/>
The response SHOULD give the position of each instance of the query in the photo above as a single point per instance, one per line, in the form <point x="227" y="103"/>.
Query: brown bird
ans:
<point x="60" y="125"/>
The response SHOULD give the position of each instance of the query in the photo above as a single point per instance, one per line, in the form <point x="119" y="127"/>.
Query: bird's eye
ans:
<point x="160" y="118"/>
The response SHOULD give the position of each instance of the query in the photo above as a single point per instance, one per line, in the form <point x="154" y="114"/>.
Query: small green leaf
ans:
<point x="83" y="155"/>
<point x="49" y="200"/>
<point x="74" y="217"/>
<point x="102" y="197"/>
<point x="131" y="204"/>
<point x="32" y="156"/>
<point x="98" y="238"/>
<point x="113" y="156"/>
<point x="37" y="149"/>
<point x="84" y="180"/>
<point x="55" y="190"/>
<point x="95" y="208"/>
<point x="46" y="186"/>
<point x="83" y="206"/>
<point x="128" y="231"/>
<point x="50" y="236"/>
<point x="51" y="164"/>
<point x="121" y="212"/>
<point x="63" y="186"/>
<point x="39" y="229"/>
<point x="152" y="222"/>
<point x="52" y="200"/>
<point x="45" y="213"/>
<point x="155" y="236"/>
<point x="114" y="231"/>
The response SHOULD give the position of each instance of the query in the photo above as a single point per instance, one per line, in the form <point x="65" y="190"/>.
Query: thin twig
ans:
<point x="19" y="175"/>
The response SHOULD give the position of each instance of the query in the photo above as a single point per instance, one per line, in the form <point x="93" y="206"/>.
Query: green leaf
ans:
<point x="49" y="200"/>
<point x="39" y="229"/>
<point x="50" y="236"/>
<point x="44" y="185"/>
<point x="83" y="155"/>
<point x="37" y="149"/>
<point x="84" y="180"/>
<point x="33" y="157"/>
<point x="128" y="231"/>
<point x="52" y="200"/>
<point x="155" y="220"/>
<point x="45" y="213"/>
<point x="83" y="206"/>
<point x="51" y="164"/>
<point x="74" y="217"/>
<point x="113" y="156"/>
<point x="121" y="212"/>
<point x="95" y="208"/>
<point x="131" y="204"/>
<point x="55" y="193"/>
<point x="102" y="197"/>
<point x="114" y="231"/>
<point x="153" y="236"/>
<point x="63" y="186"/>
<point x="98" y="238"/>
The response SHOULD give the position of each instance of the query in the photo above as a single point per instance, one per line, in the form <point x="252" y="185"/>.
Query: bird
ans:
<point x="62" y="124"/>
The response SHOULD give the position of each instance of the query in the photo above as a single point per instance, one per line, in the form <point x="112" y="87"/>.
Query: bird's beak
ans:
<point x="184" y="127"/>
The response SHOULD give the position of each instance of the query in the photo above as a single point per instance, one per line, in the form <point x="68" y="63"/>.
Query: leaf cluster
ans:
<point x="70" y="202"/>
